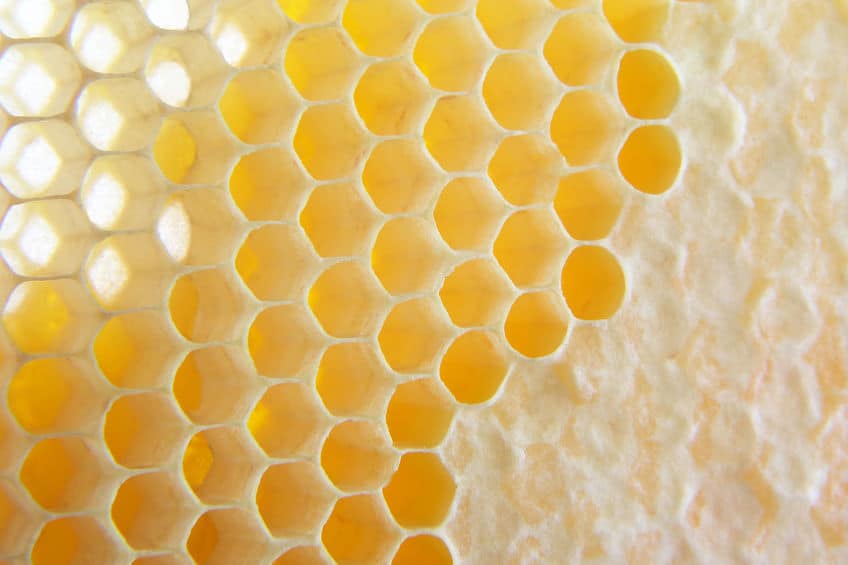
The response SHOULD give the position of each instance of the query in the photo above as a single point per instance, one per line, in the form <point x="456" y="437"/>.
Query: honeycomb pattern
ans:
<point x="284" y="282"/>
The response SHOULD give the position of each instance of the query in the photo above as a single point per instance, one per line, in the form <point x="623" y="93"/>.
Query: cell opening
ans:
<point x="391" y="98"/>
<point x="536" y="324"/>
<point x="206" y="306"/>
<point x="586" y="127"/>
<point x="276" y="263"/>
<point x="476" y="293"/>
<point x="419" y="414"/>
<point x="193" y="148"/>
<point x="474" y="367"/>
<point x="347" y="300"/>
<point x="339" y="221"/>
<point x="399" y="178"/>
<point x="589" y="203"/>
<point x="283" y="341"/>
<point x="259" y="107"/>
<point x="421" y="491"/>
<point x="352" y="382"/>
<point x="293" y="499"/>
<point x="413" y="335"/>
<point x="329" y="141"/>
<point x="359" y="531"/>
<point x="64" y="474"/>
<point x="408" y="256"/>
<point x="151" y="511"/>
<point x="357" y="456"/>
<point x="651" y="159"/>
<point x="525" y="169"/>
<point x="593" y="283"/>
<point x="219" y="466"/>
<point x="580" y="49"/>
<point x="321" y="63"/>
<point x="417" y="550"/>
<point x="648" y="86"/>
<point x="530" y="247"/>
<point x="226" y="535"/>
<point x="256" y="182"/>
<point x="74" y="539"/>
<point x="143" y="430"/>
<point x="468" y="214"/>
<point x="287" y="421"/>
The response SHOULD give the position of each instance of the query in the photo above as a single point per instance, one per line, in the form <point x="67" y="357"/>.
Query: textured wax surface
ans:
<point x="446" y="281"/>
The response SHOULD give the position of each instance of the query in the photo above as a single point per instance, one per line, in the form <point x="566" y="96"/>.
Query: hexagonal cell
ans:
<point x="451" y="53"/>
<point x="475" y="293"/>
<point x="380" y="28"/>
<point x="215" y="384"/>
<point x="17" y="520"/>
<point x="193" y="148"/>
<point x="311" y="11"/>
<point x="648" y="86"/>
<point x="593" y="283"/>
<point x="55" y="316"/>
<point x="185" y="70"/>
<point x="198" y="226"/>
<point x="526" y="169"/>
<point x="219" y="464"/>
<point x="589" y="203"/>
<point x="474" y="367"/>
<point x="421" y="491"/>
<point x="351" y="381"/>
<point x="37" y="79"/>
<point x="321" y="63"/>
<point x="111" y="37"/>
<point x="391" y="98"/>
<point x="293" y="499"/>
<point x="586" y="127"/>
<point x="339" y="220"/>
<point x="248" y="33"/>
<point x="408" y="256"/>
<point x="288" y="421"/>
<point x="330" y="141"/>
<point x="413" y="334"/>
<point x="152" y="511"/>
<point x="303" y="555"/>
<point x="530" y="247"/>
<point x="117" y="114"/>
<point x="227" y="535"/>
<point x="268" y="185"/>
<point x="276" y="263"/>
<point x="424" y="548"/>
<point x="637" y="21"/>
<point x="399" y="177"/>
<point x="143" y="430"/>
<point x="283" y="341"/>
<point x="178" y="14"/>
<point x="347" y="300"/>
<point x="24" y="20"/>
<point x="536" y="324"/>
<point x="45" y="238"/>
<point x="63" y="474"/>
<point x="514" y="24"/>
<point x="39" y="159"/>
<point x="459" y="133"/>
<point x="580" y="49"/>
<point x="468" y="214"/>
<point x="74" y="539"/>
<point x="357" y="456"/>
<point x="519" y="91"/>
<point x="651" y="159"/>
<point x="419" y="414"/>
<point x="136" y="350"/>
<point x="259" y="107"/>
<point x="128" y="271"/>
<point x="56" y="394"/>
<point x="122" y="192"/>
<point x="359" y="531"/>
<point x="207" y="306"/>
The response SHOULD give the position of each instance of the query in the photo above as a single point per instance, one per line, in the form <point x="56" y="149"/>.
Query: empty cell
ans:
<point x="380" y="28"/>
<point x="178" y="14"/>
<point x="37" y="80"/>
<point x="45" y="238"/>
<point x="248" y="33"/>
<point x="185" y="70"/>
<point x="408" y="256"/>
<point x="276" y="262"/>
<point x="476" y="293"/>
<point x="193" y="148"/>
<point x="268" y="184"/>
<point x="283" y="341"/>
<point x="118" y="114"/>
<point x="357" y="456"/>
<point x="206" y="306"/>
<point x="514" y="24"/>
<point x="111" y="37"/>
<point x="423" y="549"/>
<point x="128" y="270"/>
<point x="55" y="316"/>
<point x="526" y="169"/>
<point x="321" y="63"/>
<point x="586" y="127"/>
<point x="198" y="459"/>
<point x="589" y="203"/>
<point x="580" y="49"/>
<point x="294" y="499"/>
<point x="122" y="192"/>
<point x="351" y="381"/>
<point x="136" y="350"/>
<point x="359" y="531"/>
<point x="303" y="555"/>
<point x="44" y="158"/>
<point x="419" y="414"/>
<point x="391" y="98"/>
<point x="259" y="107"/>
<point x="536" y="324"/>
<point x="64" y="474"/>
<point x="329" y="141"/>
<point x="339" y="220"/>
<point x="421" y="491"/>
<point x="459" y="134"/>
<point x="44" y="18"/>
<point x="311" y="11"/>
<point x="468" y="214"/>
<point x="530" y="247"/>
<point x="593" y="283"/>
<point x="74" y="539"/>
<point x="651" y="159"/>
<point x="215" y="384"/>
<point x="152" y="511"/>
<point x="198" y="226"/>
<point x="347" y="300"/>
<point x="288" y="421"/>
<point x="413" y="334"/>
<point x="227" y="535"/>
<point x="637" y="21"/>
<point x="143" y="430"/>
<point x="519" y="91"/>
<point x="451" y="53"/>
<point x="474" y="367"/>
<point x="648" y="86"/>
<point x="219" y="464"/>
<point x="17" y="519"/>
<point x="399" y="177"/>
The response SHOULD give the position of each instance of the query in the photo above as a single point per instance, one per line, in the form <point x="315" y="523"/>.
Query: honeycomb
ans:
<point x="423" y="282"/>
